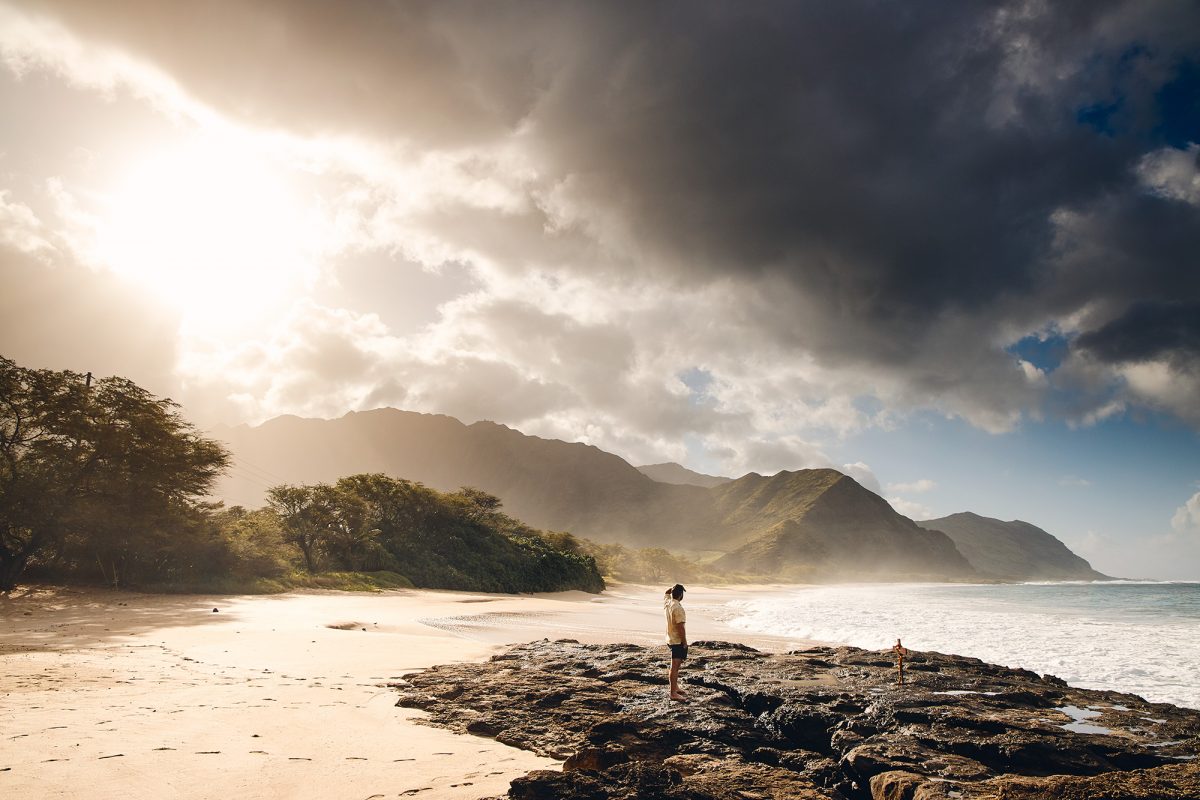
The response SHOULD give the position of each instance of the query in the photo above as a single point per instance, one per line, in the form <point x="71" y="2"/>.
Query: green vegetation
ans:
<point x="105" y="483"/>
<point x="648" y="565"/>
<point x="106" y="476"/>
<point x="455" y="540"/>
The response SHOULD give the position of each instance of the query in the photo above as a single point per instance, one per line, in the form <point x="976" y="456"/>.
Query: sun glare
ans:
<point x="208" y="228"/>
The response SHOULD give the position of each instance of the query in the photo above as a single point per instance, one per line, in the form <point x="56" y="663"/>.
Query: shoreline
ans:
<point x="111" y="693"/>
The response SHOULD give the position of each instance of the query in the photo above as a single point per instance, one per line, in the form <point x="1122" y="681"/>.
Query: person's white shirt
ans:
<point x="675" y="616"/>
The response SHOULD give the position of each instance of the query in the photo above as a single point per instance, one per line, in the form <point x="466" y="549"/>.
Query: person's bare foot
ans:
<point x="678" y="697"/>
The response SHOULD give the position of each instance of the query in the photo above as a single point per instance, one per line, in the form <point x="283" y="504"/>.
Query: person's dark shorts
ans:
<point x="678" y="651"/>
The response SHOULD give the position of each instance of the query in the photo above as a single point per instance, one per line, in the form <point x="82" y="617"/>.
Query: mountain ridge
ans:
<point x="1013" y="550"/>
<point x="838" y="519"/>
<point x="816" y="524"/>
<point x="671" y="472"/>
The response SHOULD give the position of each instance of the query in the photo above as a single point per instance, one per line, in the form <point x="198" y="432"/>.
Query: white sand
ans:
<point x="118" y="695"/>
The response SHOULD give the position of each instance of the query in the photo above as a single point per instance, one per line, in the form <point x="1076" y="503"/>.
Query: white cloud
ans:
<point x="1187" y="517"/>
<point x="1159" y="384"/>
<point x="1173" y="173"/>
<point x="29" y="42"/>
<point x="915" y="487"/>
<point x="1035" y="376"/>
<point x="769" y="456"/>
<point x="910" y="509"/>
<point x="863" y="474"/>
<point x="20" y="227"/>
<point x="1074" y="480"/>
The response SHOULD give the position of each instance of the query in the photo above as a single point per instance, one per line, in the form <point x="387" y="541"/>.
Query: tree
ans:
<point x="352" y="535"/>
<point x="255" y="542"/>
<point x="305" y="518"/>
<point x="458" y="540"/>
<point x="478" y="504"/>
<point x="110" y="467"/>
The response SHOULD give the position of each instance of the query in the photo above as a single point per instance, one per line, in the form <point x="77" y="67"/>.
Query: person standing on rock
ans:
<point x="676" y="635"/>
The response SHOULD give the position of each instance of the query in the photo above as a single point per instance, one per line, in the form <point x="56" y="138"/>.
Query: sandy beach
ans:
<point x="114" y="694"/>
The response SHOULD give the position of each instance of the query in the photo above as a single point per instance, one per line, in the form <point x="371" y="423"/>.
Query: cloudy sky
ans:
<point x="950" y="248"/>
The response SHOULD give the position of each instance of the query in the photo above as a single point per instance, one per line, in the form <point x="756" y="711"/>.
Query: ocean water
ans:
<point x="1137" y="637"/>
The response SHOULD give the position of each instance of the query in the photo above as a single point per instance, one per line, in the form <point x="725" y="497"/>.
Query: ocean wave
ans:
<point x="1128" y="639"/>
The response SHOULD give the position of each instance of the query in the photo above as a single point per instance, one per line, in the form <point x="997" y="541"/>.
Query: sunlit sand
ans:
<point x="108" y="694"/>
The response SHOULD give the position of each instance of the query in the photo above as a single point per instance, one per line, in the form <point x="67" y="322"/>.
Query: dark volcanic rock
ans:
<point x="821" y="723"/>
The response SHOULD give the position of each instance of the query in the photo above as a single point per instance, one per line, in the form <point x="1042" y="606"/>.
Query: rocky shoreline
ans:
<point x="820" y="723"/>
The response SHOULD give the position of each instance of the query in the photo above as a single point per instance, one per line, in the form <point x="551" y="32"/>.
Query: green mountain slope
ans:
<point x="804" y="525"/>
<point x="821" y="525"/>
<point x="1012" y="550"/>
<point x="546" y="483"/>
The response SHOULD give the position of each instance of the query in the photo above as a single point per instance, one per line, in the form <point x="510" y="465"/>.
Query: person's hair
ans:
<point x="675" y="591"/>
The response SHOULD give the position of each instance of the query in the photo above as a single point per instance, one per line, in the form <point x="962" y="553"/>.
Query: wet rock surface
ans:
<point x="819" y="723"/>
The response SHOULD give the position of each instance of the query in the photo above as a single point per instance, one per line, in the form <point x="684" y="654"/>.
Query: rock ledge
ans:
<point x="820" y="723"/>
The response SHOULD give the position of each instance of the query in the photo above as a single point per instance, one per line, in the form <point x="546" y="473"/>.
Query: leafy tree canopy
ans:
<point x="457" y="540"/>
<point x="105" y="469"/>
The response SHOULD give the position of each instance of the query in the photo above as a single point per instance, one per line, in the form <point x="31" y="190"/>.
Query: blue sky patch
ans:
<point x="1045" y="353"/>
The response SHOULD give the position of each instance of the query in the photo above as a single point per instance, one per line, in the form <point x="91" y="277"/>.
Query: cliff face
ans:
<point x="1012" y="550"/>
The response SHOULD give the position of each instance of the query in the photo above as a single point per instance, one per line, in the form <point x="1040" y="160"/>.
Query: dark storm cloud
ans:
<point x="900" y="167"/>
<point x="1149" y="331"/>
<point x="896" y="165"/>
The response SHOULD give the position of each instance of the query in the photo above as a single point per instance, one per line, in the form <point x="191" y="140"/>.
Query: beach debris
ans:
<point x="214" y="611"/>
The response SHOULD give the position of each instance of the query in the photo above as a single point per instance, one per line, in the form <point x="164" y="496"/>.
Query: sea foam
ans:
<point x="1137" y="637"/>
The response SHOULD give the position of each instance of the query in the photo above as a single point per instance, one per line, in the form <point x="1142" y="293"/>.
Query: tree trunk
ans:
<point x="11" y="567"/>
<point x="309" y="562"/>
